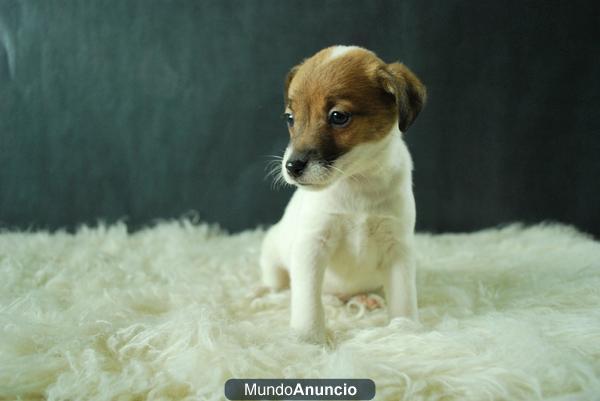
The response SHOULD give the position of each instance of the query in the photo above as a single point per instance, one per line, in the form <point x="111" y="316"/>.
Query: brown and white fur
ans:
<point x="349" y="227"/>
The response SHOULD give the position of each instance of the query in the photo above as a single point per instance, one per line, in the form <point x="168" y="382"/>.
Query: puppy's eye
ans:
<point x="289" y="119"/>
<point x="339" y="118"/>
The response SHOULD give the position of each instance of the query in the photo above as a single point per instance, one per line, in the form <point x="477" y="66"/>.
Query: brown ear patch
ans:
<point x="288" y="79"/>
<point x="408" y="90"/>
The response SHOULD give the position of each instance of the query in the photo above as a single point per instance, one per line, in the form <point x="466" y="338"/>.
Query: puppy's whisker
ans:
<point x="342" y="172"/>
<point x="337" y="168"/>
<point x="279" y="182"/>
<point x="346" y="175"/>
<point x="273" y="157"/>
<point x="271" y="163"/>
<point x="272" y="171"/>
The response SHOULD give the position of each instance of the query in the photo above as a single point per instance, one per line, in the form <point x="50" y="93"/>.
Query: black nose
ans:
<point x="296" y="167"/>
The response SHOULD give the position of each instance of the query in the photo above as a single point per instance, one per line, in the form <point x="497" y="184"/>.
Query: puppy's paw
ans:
<point x="313" y="332"/>
<point x="259" y="292"/>
<point x="405" y="324"/>
<point x="318" y="337"/>
<point x="257" y="298"/>
<point x="365" y="302"/>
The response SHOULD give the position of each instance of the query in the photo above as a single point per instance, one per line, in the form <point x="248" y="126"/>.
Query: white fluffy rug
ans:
<point x="507" y="314"/>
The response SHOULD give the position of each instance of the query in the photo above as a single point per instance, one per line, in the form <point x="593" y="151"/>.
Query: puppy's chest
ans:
<point x="363" y="240"/>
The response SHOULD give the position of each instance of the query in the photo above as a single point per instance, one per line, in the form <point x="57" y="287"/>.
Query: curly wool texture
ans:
<point x="163" y="314"/>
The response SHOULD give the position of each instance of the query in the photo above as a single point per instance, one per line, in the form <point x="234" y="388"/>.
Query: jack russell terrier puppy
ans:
<point x="349" y="227"/>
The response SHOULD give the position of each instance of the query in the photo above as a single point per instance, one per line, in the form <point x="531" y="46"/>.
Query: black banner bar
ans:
<point x="299" y="389"/>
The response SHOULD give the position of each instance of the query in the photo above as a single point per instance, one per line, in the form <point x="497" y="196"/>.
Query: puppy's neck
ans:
<point x="386" y="164"/>
<point x="374" y="188"/>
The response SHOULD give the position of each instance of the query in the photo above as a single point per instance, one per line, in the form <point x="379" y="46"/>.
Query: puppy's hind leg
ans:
<point x="400" y="286"/>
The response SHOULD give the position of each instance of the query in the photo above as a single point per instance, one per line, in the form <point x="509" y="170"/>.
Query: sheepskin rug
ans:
<point x="164" y="314"/>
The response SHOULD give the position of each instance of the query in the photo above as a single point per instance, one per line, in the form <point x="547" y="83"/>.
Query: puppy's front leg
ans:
<point x="400" y="286"/>
<point x="306" y="273"/>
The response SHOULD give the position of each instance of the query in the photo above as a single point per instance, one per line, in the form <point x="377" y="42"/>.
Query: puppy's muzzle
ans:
<point x="297" y="162"/>
<point x="295" y="168"/>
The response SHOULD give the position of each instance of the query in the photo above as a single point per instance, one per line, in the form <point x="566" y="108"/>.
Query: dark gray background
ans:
<point x="142" y="109"/>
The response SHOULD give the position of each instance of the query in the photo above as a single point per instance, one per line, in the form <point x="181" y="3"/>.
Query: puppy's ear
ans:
<point x="288" y="80"/>
<point x="409" y="92"/>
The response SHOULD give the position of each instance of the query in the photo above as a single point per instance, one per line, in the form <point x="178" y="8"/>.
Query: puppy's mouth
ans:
<point x="315" y="185"/>
<point x="316" y="175"/>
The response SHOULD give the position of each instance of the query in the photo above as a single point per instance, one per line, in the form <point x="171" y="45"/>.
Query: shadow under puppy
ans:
<point x="349" y="227"/>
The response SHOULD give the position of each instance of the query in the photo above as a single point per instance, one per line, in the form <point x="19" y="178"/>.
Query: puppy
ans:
<point x="349" y="226"/>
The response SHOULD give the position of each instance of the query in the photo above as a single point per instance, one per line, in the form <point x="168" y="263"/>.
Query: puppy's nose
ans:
<point x="296" y="167"/>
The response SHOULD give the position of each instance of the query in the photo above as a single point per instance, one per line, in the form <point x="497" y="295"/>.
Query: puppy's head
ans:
<point x="340" y="103"/>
